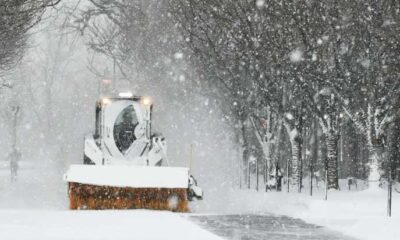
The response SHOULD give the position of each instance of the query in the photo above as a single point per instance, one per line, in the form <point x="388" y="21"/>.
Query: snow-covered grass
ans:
<point x="361" y="214"/>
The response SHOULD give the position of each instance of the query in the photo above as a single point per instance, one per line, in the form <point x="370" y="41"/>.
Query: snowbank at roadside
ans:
<point x="361" y="214"/>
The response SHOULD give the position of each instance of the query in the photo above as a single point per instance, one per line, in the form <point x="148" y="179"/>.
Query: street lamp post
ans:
<point x="389" y="204"/>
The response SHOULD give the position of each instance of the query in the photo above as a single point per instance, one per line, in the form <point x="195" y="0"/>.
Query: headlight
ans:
<point x="146" y="101"/>
<point x="106" y="101"/>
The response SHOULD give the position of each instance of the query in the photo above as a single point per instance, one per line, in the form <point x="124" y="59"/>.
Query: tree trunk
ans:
<point x="332" y="145"/>
<point x="296" y="158"/>
<point x="14" y="129"/>
<point x="375" y="155"/>
<point x="240" y="166"/>
<point x="278" y="149"/>
<point x="315" y="149"/>
<point x="264" y="137"/>
<point x="267" y="158"/>
<point x="246" y="154"/>
<point x="257" y="174"/>
<point x="295" y="135"/>
<point x="14" y="155"/>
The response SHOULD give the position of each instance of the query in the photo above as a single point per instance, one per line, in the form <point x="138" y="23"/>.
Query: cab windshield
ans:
<point x="124" y="128"/>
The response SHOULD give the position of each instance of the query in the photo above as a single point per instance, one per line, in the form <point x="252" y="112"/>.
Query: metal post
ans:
<point x="300" y="180"/>
<point x="240" y="164"/>
<point x="326" y="184"/>
<point x="248" y="174"/>
<point x="389" y="204"/>
<point x="287" y="175"/>
<point x="257" y="175"/>
<point x="276" y="177"/>
<point x="389" y="207"/>
<point x="341" y="143"/>
<point x="304" y="158"/>
<point x="311" y="178"/>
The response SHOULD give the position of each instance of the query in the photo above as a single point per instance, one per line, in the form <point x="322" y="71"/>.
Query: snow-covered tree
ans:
<point x="16" y="19"/>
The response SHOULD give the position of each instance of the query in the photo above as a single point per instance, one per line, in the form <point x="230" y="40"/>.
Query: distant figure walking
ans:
<point x="275" y="180"/>
<point x="351" y="181"/>
<point x="14" y="158"/>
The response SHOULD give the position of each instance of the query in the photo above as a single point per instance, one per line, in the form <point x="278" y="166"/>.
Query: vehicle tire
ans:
<point x="87" y="160"/>
<point x="190" y="194"/>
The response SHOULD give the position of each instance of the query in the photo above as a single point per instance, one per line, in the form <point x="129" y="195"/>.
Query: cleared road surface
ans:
<point x="260" y="227"/>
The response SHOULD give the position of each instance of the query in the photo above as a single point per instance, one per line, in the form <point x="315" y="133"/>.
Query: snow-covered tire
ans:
<point x="87" y="160"/>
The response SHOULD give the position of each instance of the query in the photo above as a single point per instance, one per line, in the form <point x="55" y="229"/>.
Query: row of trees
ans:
<point x="17" y="18"/>
<point x="281" y="71"/>
<point x="304" y="61"/>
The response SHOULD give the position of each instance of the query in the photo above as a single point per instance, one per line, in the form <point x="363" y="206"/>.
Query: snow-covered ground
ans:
<point x="361" y="214"/>
<point x="96" y="225"/>
<point x="35" y="207"/>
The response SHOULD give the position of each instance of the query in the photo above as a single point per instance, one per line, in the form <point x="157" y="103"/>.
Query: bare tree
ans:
<point x="16" y="19"/>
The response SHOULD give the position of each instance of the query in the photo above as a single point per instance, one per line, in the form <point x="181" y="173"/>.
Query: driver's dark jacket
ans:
<point x="124" y="135"/>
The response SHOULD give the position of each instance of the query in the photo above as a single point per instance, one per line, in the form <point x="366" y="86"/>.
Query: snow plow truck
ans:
<point x="125" y="165"/>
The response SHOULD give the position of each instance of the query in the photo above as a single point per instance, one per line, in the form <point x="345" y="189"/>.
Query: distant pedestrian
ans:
<point x="351" y="181"/>
<point x="14" y="158"/>
<point x="278" y="179"/>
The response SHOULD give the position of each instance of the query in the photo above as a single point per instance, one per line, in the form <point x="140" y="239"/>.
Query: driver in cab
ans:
<point x="125" y="132"/>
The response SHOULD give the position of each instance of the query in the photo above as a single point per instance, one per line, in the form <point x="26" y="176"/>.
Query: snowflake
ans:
<point x="260" y="3"/>
<point x="296" y="55"/>
<point x="289" y="116"/>
<point x="178" y="55"/>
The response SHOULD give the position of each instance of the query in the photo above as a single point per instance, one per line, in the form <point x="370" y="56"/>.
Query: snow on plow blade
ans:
<point x="127" y="187"/>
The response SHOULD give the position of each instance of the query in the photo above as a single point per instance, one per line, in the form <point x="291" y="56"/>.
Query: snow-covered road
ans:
<point x="259" y="227"/>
